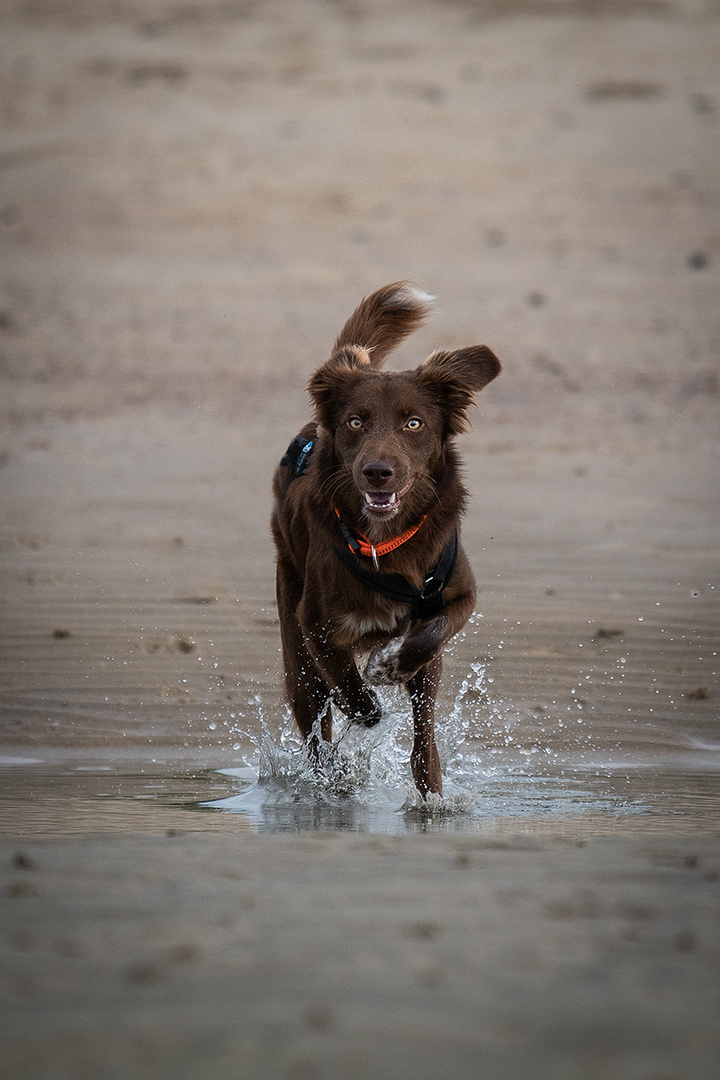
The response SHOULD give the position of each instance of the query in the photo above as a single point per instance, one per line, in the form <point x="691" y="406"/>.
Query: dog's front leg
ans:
<point x="336" y="663"/>
<point x="354" y="697"/>
<point x="402" y="657"/>
<point x="425" y="760"/>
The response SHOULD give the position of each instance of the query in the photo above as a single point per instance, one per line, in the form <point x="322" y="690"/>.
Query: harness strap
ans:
<point x="425" y="602"/>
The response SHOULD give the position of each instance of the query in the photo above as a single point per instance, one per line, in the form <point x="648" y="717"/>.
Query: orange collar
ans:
<point x="360" y="545"/>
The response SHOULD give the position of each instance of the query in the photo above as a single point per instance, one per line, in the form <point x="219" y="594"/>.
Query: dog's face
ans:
<point x="390" y="429"/>
<point x="386" y="435"/>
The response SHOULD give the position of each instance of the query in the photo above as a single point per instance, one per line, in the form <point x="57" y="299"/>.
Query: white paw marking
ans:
<point x="383" y="665"/>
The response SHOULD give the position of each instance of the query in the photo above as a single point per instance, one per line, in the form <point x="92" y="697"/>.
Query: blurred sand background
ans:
<point x="193" y="197"/>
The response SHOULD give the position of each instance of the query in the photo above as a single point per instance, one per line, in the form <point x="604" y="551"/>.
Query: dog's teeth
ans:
<point x="381" y="500"/>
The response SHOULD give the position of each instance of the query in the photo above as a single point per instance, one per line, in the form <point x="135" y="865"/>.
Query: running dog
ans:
<point x="368" y="501"/>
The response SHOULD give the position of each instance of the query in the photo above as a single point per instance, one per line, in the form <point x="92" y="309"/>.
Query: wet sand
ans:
<point x="328" y="955"/>
<point x="192" y="199"/>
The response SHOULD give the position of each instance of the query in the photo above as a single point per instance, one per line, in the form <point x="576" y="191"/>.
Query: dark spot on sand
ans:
<point x="185" y="953"/>
<point x="163" y="71"/>
<point x="701" y="694"/>
<point x="548" y="365"/>
<point x="495" y="238"/>
<point x="426" y="930"/>
<point x="23" y="888"/>
<point x="430" y="976"/>
<point x="675" y="860"/>
<point x="151" y="29"/>
<point x="702" y="383"/>
<point x="685" y="941"/>
<point x="698" y="260"/>
<point x="623" y="90"/>
<point x="436" y="95"/>
<point x="143" y="974"/>
<point x="9" y="215"/>
<point x="319" y="1018"/>
<point x="702" y="103"/>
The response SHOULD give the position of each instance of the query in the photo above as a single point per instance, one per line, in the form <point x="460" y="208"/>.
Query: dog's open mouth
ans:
<point x="385" y="503"/>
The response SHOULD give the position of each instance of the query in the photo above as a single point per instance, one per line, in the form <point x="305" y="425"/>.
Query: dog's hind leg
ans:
<point x="425" y="760"/>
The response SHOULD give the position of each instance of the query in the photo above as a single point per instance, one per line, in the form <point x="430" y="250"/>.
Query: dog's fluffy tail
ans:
<point x="382" y="320"/>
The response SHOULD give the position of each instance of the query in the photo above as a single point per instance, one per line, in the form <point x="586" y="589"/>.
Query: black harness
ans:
<point x="297" y="455"/>
<point x="425" y="601"/>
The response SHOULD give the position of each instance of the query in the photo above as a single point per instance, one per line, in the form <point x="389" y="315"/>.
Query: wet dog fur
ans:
<point x="384" y="459"/>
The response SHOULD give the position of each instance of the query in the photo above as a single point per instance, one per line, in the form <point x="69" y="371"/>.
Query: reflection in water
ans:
<point x="77" y="802"/>
<point x="571" y="804"/>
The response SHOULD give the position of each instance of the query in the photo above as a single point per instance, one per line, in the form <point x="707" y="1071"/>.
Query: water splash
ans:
<point x="362" y="780"/>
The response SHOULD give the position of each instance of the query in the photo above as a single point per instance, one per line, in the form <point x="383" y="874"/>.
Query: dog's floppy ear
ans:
<point x="328" y="386"/>
<point x="454" y="378"/>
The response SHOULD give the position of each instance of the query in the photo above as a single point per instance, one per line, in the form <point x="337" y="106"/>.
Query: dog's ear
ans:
<point x="329" y="385"/>
<point x="454" y="378"/>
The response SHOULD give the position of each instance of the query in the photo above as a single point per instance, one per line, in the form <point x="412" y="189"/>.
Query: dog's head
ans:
<point x="390" y="431"/>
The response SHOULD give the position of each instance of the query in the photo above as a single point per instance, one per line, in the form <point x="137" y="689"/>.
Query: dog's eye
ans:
<point x="355" y="423"/>
<point x="414" y="423"/>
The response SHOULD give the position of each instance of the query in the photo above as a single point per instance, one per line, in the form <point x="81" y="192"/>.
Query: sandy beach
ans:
<point x="328" y="955"/>
<point x="193" y="197"/>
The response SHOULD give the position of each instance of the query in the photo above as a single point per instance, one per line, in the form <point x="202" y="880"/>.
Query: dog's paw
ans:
<point x="370" y="712"/>
<point x="383" y="665"/>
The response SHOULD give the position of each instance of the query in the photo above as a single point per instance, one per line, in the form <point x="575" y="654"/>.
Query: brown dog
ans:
<point x="367" y="507"/>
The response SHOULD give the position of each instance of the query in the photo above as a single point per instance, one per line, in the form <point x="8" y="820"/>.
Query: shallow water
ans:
<point x="571" y="803"/>
<point x="497" y="786"/>
<point x="364" y="781"/>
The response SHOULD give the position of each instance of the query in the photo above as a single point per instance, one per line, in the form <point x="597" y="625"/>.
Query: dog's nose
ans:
<point x="378" y="472"/>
